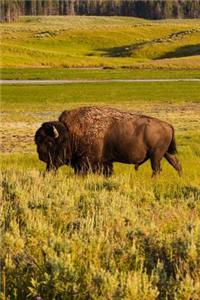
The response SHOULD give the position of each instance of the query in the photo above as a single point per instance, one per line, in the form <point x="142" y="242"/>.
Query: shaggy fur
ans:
<point x="92" y="138"/>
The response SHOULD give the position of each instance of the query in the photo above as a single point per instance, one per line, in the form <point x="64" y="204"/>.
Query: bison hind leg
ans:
<point x="172" y="159"/>
<point x="137" y="167"/>
<point x="156" y="157"/>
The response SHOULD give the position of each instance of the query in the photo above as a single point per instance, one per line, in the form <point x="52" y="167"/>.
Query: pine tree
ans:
<point x="150" y="9"/>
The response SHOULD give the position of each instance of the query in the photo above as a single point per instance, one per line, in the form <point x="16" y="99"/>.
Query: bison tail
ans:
<point x="172" y="147"/>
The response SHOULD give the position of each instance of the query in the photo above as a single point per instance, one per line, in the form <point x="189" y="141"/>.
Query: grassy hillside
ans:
<point x="101" y="41"/>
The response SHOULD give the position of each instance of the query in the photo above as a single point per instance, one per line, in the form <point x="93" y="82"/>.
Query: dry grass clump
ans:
<point x="93" y="238"/>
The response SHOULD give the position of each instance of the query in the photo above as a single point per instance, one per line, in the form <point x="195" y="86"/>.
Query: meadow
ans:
<point x="125" y="237"/>
<point x="93" y="238"/>
<point x="95" y="74"/>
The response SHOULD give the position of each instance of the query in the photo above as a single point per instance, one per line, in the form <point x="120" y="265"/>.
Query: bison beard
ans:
<point x="92" y="138"/>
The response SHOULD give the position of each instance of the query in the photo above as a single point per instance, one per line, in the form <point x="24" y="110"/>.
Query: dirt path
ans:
<point x="92" y="81"/>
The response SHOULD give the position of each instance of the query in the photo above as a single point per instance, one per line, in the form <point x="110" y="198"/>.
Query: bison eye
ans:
<point x="38" y="140"/>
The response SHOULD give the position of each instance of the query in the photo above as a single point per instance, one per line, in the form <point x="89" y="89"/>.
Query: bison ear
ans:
<point x="51" y="130"/>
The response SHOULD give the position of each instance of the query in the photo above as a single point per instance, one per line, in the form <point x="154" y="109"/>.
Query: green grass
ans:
<point x="59" y="97"/>
<point x="100" y="41"/>
<point x="62" y="73"/>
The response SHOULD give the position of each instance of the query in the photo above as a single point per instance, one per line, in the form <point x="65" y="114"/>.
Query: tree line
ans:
<point x="150" y="9"/>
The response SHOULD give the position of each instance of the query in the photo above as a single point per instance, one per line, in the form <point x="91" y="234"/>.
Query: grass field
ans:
<point x="125" y="237"/>
<point x="92" y="238"/>
<point x="101" y="42"/>
<point x="62" y="73"/>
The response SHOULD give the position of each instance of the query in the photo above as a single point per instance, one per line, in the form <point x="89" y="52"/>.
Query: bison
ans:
<point x="92" y="138"/>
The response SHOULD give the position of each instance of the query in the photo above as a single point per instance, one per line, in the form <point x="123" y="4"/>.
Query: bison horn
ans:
<point x="55" y="132"/>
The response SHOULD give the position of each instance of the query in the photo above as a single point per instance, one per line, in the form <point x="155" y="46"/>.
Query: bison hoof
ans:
<point x="136" y="167"/>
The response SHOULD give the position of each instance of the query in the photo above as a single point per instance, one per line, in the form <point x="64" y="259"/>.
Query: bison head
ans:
<point x="53" y="144"/>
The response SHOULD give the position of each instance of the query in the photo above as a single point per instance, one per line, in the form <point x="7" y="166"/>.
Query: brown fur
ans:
<point x="94" y="138"/>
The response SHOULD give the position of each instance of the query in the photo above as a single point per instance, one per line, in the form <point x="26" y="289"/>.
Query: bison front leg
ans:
<point x="50" y="168"/>
<point x="80" y="169"/>
<point x="108" y="170"/>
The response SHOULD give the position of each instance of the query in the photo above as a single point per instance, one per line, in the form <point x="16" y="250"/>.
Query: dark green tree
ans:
<point x="150" y="9"/>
